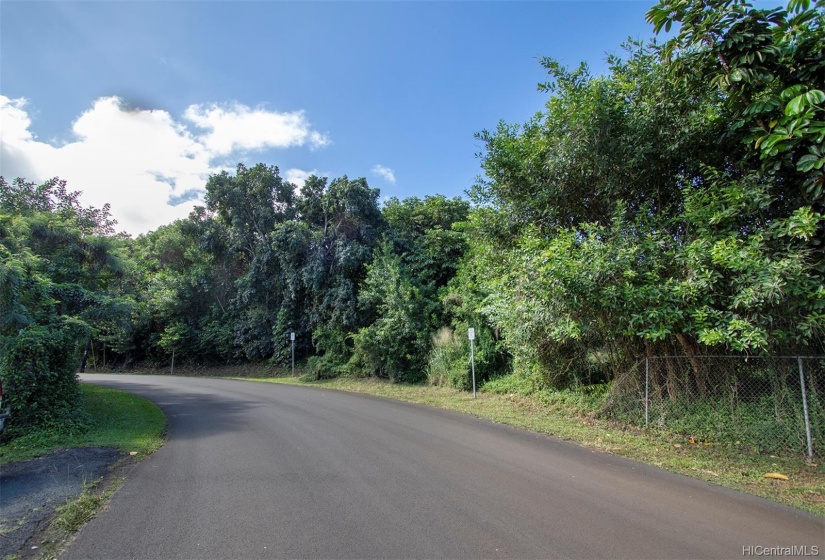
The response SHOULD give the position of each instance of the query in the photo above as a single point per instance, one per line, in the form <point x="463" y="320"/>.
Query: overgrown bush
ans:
<point x="581" y="400"/>
<point x="773" y="423"/>
<point x="448" y="364"/>
<point x="395" y="345"/>
<point x="38" y="371"/>
<point x="755" y="402"/>
<point x="517" y="383"/>
<point x="335" y="354"/>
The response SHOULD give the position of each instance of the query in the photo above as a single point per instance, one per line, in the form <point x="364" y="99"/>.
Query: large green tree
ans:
<point x="768" y="68"/>
<point x="250" y="204"/>
<point x="183" y="279"/>
<point x="644" y="212"/>
<point x="346" y="225"/>
<point x="60" y="283"/>
<point x="401" y="295"/>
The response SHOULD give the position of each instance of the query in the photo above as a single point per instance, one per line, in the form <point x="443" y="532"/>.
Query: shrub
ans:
<point x="448" y="364"/>
<point x="38" y="370"/>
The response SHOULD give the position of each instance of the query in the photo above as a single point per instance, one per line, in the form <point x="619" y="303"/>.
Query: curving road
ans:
<point x="276" y="471"/>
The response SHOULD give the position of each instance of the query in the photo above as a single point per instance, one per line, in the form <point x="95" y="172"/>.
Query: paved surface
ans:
<point x="271" y="471"/>
<point x="31" y="490"/>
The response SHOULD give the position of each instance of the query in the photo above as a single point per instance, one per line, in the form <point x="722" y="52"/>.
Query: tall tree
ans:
<point x="60" y="272"/>
<point x="767" y="65"/>
<point x="184" y="281"/>
<point x="250" y="204"/>
<point x="401" y="295"/>
<point x="639" y="214"/>
<point x="347" y="228"/>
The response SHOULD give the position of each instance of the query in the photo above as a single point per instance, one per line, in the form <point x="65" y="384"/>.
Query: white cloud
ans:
<point x="14" y="134"/>
<point x="16" y="121"/>
<point x="298" y="176"/>
<point x="149" y="167"/>
<point x="237" y="127"/>
<point x="385" y="172"/>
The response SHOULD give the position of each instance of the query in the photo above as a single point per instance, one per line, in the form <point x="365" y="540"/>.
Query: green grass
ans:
<point x="72" y="515"/>
<point x="118" y="419"/>
<point x="563" y="416"/>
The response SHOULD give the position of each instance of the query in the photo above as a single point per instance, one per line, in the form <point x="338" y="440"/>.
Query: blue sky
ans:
<point x="136" y="103"/>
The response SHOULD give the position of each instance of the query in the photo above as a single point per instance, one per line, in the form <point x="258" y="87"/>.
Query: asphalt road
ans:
<point x="275" y="471"/>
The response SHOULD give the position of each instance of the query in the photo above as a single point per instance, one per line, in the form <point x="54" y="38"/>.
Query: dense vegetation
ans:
<point x="673" y="205"/>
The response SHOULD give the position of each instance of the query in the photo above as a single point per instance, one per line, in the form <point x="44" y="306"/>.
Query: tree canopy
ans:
<point x="672" y="205"/>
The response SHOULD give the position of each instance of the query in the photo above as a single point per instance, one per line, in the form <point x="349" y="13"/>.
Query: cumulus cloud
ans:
<point x="14" y="136"/>
<point x="237" y="127"/>
<point x="15" y="120"/>
<point x="298" y="176"/>
<point x="151" y="168"/>
<point x="384" y="172"/>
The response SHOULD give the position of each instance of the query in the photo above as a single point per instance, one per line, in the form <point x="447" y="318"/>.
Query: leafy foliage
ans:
<point x="405" y="283"/>
<point x="395" y="345"/>
<point x="640" y="212"/>
<point x="59" y="281"/>
<point x="448" y="361"/>
<point x="39" y="368"/>
<point x="767" y="65"/>
<point x="644" y="212"/>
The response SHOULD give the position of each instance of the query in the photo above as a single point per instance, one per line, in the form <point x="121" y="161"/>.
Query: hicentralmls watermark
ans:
<point x="780" y="550"/>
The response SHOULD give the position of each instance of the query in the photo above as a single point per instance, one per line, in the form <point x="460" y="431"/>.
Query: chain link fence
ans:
<point x="773" y="404"/>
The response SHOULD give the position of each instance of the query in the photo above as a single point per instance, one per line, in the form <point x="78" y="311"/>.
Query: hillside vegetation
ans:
<point x="672" y="206"/>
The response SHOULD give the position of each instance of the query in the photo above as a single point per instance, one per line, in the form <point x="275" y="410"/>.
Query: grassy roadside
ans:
<point x="118" y="419"/>
<point x="70" y="517"/>
<point x="713" y="462"/>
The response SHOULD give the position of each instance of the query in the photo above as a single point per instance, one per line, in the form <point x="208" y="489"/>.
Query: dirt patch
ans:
<point x="31" y="490"/>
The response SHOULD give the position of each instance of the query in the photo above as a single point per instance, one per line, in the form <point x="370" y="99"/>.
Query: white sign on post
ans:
<point x="292" y="344"/>
<point x="471" y="332"/>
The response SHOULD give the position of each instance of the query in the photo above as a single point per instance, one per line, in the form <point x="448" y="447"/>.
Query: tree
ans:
<point x="639" y="214"/>
<point x="250" y="205"/>
<point x="299" y="259"/>
<point x="633" y="135"/>
<point x="395" y="345"/>
<point x="767" y="65"/>
<point x="401" y="295"/>
<point x="346" y="225"/>
<point x="423" y="235"/>
<point x="59" y="280"/>
<point x="183" y="279"/>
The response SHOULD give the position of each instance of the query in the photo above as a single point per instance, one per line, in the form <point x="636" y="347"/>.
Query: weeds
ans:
<point x="448" y="361"/>
<point x="72" y="515"/>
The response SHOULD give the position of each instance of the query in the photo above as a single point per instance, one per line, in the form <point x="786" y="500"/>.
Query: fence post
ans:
<point x="805" y="408"/>
<point x="647" y="388"/>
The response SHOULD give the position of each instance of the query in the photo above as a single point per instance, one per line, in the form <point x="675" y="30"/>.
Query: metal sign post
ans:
<point x="805" y="409"/>
<point x="292" y="340"/>
<point x="471" y="332"/>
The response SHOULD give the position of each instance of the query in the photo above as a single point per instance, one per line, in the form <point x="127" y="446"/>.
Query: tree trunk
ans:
<point x="700" y="370"/>
<point x="672" y="381"/>
<point x="85" y="355"/>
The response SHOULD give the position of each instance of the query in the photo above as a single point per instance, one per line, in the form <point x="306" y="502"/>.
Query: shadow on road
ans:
<point x="191" y="411"/>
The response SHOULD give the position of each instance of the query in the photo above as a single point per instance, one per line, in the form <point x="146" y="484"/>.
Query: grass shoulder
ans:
<point x="118" y="419"/>
<point x="563" y="417"/>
